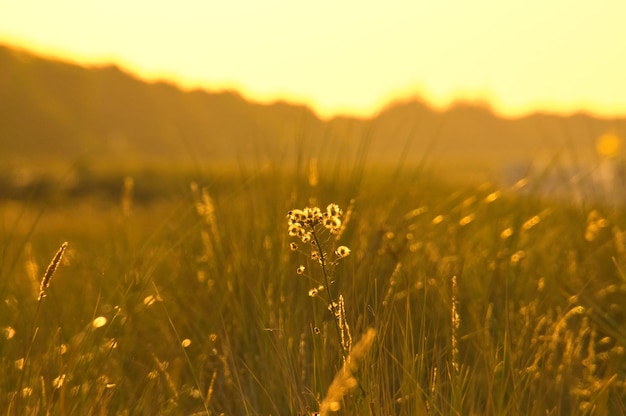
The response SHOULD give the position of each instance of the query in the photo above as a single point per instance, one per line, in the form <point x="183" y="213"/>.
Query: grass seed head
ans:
<point x="344" y="380"/>
<point x="52" y="267"/>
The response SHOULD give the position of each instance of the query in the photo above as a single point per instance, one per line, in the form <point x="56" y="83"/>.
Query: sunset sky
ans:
<point x="349" y="56"/>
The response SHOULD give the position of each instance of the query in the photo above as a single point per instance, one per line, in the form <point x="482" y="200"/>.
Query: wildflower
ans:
<point x="332" y="223"/>
<point x="293" y="246"/>
<point x="333" y="210"/>
<point x="297" y="215"/>
<point x="300" y="269"/>
<point x="185" y="343"/>
<point x="313" y="292"/>
<point x="294" y="229"/>
<point x="314" y="214"/>
<point x="342" y="251"/>
<point x="310" y="217"/>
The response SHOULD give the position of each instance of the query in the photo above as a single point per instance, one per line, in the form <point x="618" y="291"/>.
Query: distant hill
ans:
<point x="55" y="112"/>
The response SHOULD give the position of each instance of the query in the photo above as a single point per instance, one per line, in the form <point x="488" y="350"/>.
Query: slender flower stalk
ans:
<point x="315" y="227"/>
<point x="331" y="301"/>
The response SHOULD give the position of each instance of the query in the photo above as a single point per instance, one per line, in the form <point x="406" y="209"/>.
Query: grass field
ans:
<point x="465" y="299"/>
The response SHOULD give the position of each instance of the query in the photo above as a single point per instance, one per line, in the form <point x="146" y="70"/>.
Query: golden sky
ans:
<point x="349" y="56"/>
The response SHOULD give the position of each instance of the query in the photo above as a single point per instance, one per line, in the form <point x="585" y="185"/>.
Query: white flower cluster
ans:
<point x="308" y="224"/>
<point x="302" y="222"/>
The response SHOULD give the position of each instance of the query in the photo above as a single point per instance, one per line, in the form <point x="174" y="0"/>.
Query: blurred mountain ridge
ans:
<point x="53" y="111"/>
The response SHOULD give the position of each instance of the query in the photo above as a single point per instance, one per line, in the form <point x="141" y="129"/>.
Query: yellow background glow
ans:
<point x="349" y="56"/>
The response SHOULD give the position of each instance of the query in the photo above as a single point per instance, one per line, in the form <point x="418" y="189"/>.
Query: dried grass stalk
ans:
<point x="344" y="380"/>
<point x="52" y="267"/>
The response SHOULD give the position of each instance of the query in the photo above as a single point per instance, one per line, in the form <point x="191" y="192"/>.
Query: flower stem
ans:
<point x="331" y="300"/>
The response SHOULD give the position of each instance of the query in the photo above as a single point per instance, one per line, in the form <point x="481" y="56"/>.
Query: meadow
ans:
<point x="200" y="294"/>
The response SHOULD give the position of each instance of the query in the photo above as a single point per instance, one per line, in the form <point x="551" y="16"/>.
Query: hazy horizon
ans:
<point x="350" y="58"/>
<point x="399" y="99"/>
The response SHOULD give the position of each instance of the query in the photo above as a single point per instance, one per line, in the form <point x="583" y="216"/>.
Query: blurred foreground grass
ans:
<point x="484" y="301"/>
